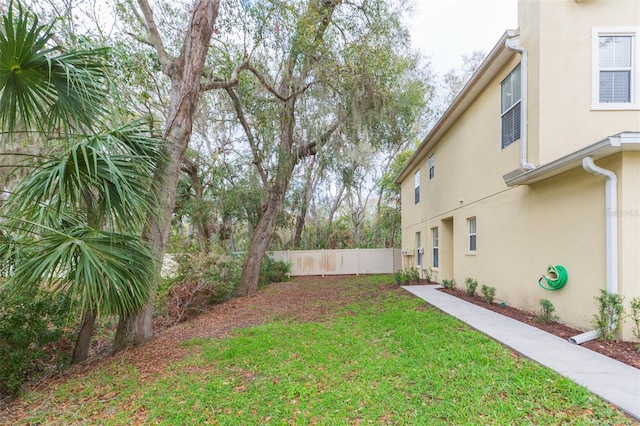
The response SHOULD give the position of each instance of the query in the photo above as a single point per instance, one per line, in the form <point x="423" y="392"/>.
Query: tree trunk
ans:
<point x="261" y="238"/>
<point x="185" y="73"/>
<point x="199" y="215"/>
<point x="81" y="348"/>
<point x="310" y="185"/>
<point x="336" y="205"/>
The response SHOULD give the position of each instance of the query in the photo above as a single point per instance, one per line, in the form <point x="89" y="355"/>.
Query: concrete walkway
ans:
<point x="611" y="380"/>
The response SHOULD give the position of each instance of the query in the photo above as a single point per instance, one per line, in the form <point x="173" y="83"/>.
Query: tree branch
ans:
<point x="215" y="82"/>
<point x="152" y="28"/>
<point x="247" y="130"/>
<point x="262" y="79"/>
<point x="140" y="39"/>
<point x="311" y="148"/>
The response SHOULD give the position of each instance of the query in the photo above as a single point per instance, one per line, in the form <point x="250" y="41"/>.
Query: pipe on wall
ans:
<point x="611" y="236"/>
<point x="611" y="221"/>
<point x="513" y="43"/>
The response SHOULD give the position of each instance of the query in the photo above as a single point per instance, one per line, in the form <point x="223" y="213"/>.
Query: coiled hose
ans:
<point x="555" y="279"/>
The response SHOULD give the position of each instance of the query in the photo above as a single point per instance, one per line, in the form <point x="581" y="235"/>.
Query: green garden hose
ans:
<point x="556" y="278"/>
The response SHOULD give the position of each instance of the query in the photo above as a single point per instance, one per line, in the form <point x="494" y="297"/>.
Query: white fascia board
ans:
<point x="626" y="141"/>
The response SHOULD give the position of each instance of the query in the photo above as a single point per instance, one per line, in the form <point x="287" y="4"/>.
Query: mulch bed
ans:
<point x="625" y="352"/>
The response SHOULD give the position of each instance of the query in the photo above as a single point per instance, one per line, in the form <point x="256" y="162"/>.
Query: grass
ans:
<point x="391" y="360"/>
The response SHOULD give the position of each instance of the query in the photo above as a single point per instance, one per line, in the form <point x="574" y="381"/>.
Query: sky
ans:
<point x="444" y="30"/>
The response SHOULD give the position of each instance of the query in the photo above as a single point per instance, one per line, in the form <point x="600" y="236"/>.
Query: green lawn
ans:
<point x="386" y="360"/>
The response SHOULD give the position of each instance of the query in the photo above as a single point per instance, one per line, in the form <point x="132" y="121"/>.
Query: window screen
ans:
<point x="614" y="53"/>
<point x="472" y="234"/>
<point x="510" y="107"/>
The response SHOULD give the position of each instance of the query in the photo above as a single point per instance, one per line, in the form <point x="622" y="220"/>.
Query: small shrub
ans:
<point x="488" y="293"/>
<point x="610" y="310"/>
<point x="546" y="314"/>
<point x="635" y="317"/>
<point x="401" y="276"/>
<point x="451" y="284"/>
<point x="397" y="276"/>
<point x="428" y="273"/>
<point x="414" y="274"/>
<point x="471" y="286"/>
<point x="33" y="335"/>
<point x="273" y="271"/>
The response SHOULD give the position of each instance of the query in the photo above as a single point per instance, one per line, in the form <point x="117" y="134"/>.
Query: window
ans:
<point x="419" y="248"/>
<point x="432" y="166"/>
<point x="615" y="68"/>
<point x="434" y="252"/>
<point x="472" y="234"/>
<point x="510" y="107"/>
<point x="416" y="182"/>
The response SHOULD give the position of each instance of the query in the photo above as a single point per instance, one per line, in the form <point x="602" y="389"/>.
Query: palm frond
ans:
<point x="106" y="272"/>
<point x="106" y="179"/>
<point x="42" y="87"/>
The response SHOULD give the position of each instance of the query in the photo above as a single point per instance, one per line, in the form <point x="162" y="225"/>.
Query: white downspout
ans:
<point x="513" y="43"/>
<point x="611" y="221"/>
<point x="611" y="235"/>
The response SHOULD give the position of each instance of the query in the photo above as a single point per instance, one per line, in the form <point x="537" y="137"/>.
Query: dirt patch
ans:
<point x="622" y="351"/>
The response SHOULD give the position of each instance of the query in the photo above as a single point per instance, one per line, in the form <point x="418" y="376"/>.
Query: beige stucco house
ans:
<point x="537" y="163"/>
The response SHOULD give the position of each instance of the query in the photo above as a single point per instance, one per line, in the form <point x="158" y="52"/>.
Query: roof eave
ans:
<point x="625" y="141"/>
<point x="494" y="61"/>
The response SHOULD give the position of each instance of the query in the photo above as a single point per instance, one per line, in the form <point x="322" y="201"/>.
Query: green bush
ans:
<point x="273" y="271"/>
<point x="414" y="274"/>
<point x="610" y="310"/>
<point x="471" y="286"/>
<point x="401" y="276"/>
<point x="428" y="273"/>
<point x="449" y="283"/>
<point x="488" y="293"/>
<point x="635" y="317"/>
<point x="546" y="314"/>
<point x="33" y="335"/>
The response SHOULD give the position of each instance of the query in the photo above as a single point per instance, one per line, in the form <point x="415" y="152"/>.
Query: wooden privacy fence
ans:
<point x="341" y="262"/>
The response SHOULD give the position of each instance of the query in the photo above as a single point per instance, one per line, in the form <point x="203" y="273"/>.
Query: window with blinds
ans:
<point x="435" y="261"/>
<point x="510" y="107"/>
<point x="473" y="237"/>
<point x="615" y="68"/>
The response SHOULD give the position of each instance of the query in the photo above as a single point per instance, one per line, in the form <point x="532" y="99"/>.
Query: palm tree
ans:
<point x="78" y="213"/>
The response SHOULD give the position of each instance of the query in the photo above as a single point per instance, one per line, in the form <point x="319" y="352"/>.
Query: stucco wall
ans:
<point x="629" y="225"/>
<point x="561" y="220"/>
<point x="523" y="230"/>
<point x="558" y="38"/>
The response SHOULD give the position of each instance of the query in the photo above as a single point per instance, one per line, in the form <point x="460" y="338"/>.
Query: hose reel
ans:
<point x="555" y="278"/>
